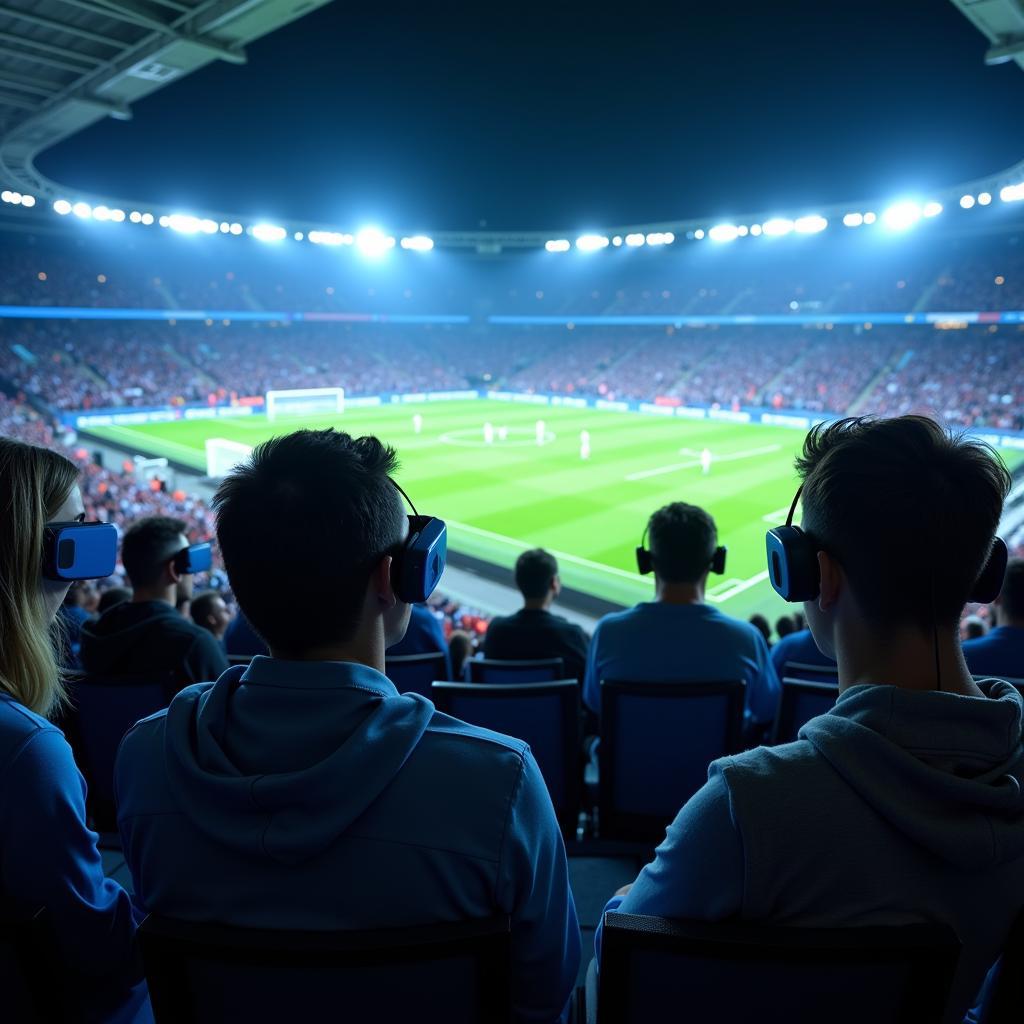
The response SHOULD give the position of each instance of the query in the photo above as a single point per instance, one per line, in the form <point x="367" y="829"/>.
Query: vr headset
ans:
<point x="194" y="558"/>
<point x="793" y="564"/>
<point x="417" y="566"/>
<point x="645" y="563"/>
<point x="79" y="551"/>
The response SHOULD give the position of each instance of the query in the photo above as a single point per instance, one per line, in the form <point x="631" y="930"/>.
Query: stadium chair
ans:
<point x="800" y="702"/>
<point x="535" y="670"/>
<point x="811" y="673"/>
<point x="657" y="740"/>
<point x="104" y="708"/>
<point x="546" y="715"/>
<point x="737" y="972"/>
<point x="208" y="974"/>
<point x="413" y="673"/>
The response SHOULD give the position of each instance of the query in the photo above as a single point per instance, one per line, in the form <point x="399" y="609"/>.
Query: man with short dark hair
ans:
<point x="146" y="637"/>
<point x="305" y="792"/>
<point x="533" y="631"/>
<point x="1000" y="652"/>
<point x="905" y="803"/>
<point x="209" y="611"/>
<point x="677" y="637"/>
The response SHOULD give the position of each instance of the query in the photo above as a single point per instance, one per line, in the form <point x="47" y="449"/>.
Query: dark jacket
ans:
<point x="534" y="633"/>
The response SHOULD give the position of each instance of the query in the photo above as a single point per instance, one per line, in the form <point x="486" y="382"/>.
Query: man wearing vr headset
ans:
<point x="905" y="803"/>
<point x="147" y="638"/>
<point x="304" y="792"/>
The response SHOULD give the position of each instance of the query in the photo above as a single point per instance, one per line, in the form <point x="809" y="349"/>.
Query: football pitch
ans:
<point x="501" y="498"/>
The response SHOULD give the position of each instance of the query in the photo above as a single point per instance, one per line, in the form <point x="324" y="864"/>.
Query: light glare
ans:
<point x="777" y="226"/>
<point x="932" y="209"/>
<point x="635" y="238"/>
<point x="967" y="201"/>
<point x="418" y="243"/>
<point x="901" y="216"/>
<point x="83" y="210"/>
<point x="811" y="224"/>
<point x="591" y="243"/>
<point x="373" y="242"/>
<point x="723" y="233"/>
<point x="61" y="206"/>
<point x="268" y="232"/>
<point x="853" y="220"/>
<point x="1012" y="193"/>
<point x="984" y="198"/>
<point x="557" y="245"/>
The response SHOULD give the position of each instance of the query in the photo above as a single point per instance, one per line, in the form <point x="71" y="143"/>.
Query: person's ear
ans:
<point x="172" y="573"/>
<point x="831" y="585"/>
<point x="556" y="584"/>
<point x="381" y="583"/>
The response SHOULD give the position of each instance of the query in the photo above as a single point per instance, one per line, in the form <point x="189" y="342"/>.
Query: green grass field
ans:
<point x="502" y="498"/>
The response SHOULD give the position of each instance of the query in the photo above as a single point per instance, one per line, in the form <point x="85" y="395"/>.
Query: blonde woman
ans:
<point x="48" y="855"/>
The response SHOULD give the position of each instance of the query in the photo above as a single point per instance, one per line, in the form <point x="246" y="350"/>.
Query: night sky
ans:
<point x="430" y="117"/>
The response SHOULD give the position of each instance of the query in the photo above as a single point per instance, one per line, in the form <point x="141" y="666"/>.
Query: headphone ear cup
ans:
<point x="793" y="564"/>
<point x="990" y="582"/>
<point x="643" y="561"/>
<point x="718" y="561"/>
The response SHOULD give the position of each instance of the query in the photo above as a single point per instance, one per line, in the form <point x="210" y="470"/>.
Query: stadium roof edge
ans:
<point x="1002" y="22"/>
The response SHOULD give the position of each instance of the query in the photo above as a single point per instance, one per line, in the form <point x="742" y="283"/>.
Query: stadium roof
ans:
<point x="67" y="63"/>
<point x="1003" y="22"/>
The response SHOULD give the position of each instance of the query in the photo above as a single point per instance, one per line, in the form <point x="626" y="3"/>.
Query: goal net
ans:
<point x="305" y="402"/>
<point x="223" y="455"/>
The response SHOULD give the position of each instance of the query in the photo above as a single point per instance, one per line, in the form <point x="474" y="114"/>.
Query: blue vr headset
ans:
<point x="793" y="564"/>
<point x="79" y="551"/>
<point x="194" y="558"/>
<point x="417" y="565"/>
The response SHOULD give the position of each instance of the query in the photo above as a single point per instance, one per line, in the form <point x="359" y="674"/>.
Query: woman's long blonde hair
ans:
<point x="34" y="483"/>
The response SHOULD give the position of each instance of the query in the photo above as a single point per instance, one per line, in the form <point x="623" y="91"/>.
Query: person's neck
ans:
<point x="166" y="595"/>
<point x="365" y="648"/>
<point x="537" y="604"/>
<point x="679" y="593"/>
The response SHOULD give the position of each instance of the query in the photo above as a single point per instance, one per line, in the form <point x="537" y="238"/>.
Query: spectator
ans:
<point x="146" y="637"/>
<point x="113" y="596"/>
<point x="460" y="650"/>
<point x="533" y="631"/>
<point x="913" y="772"/>
<point x="972" y="627"/>
<point x="234" y="805"/>
<point x="1001" y="651"/>
<point x="424" y="636"/>
<point x="241" y="640"/>
<point x="677" y="636"/>
<point x="47" y="852"/>
<point x="784" y="625"/>
<point x="798" y="647"/>
<point x="761" y="624"/>
<point x="71" y="616"/>
<point x="209" y="611"/>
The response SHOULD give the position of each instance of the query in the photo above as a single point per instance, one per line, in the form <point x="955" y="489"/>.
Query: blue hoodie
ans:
<point x="311" y="795"/>
<point x="895" y="807"/>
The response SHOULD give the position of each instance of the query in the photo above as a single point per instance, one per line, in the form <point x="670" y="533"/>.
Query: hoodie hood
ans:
<point x="943" y="769"/>
<point x="121" y="633"/>
<point x="280" y="758"/>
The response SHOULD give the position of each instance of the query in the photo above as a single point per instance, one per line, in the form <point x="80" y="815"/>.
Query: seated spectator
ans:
<point x="784" y="625"/>
<point x="47" y="852"/>
<point x="111" y="597"/>
<point x="147" y="636"/>
<point x="424" y="636"/>
<point x="71" y="616"/>
<point x="972" y="628"/>
<point x="798" y="647"/>
<point x="304" y="792"/>
<point x="677" y="637"/>
<point x="241" y="640"/>
<point x="760" y="623"/>
<point x="903" y="803"/>
<point x="533" y="631"/>
<point x="209" y="611"/>
<point x="1001" y="651"/>
<point x="460" y="650"/>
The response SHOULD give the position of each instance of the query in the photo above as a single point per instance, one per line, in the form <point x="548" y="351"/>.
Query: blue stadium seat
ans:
<point x="545" y="715"/>
<point x="657" y="740"/>
<point x="413" y="673"/>
<point x="738" y="972"/>
<point x="207" y="974"/>
<point x="533" y="670"/>
<point x="811" y="673"/>
<point x="800" y="702"/>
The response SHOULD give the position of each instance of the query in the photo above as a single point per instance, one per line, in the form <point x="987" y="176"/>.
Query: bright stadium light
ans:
<point x="147" y="218"/>
<point x="7" y="196"/>
<point x="967" y="201"/>
<point x="591" y="243"/>
<point x="901" y="216"/>
<point x="101" y="213"/>
<point x="869" y="217"/>
<point x="164" y="221"/>
<point x="61" y="206"/>
<point x="557" y="245"/>
<point x="755" y="229"/>
<point x="635" y="238"/>
<point x="617" y="240"/>
<point x="743" y="231"/>
<point x="698" y="234"/>
<point x="660" y="238"/>
<point x="268" y="232"/>
<point x="184" y="223"/>
<point x="777" y="226"/>
<point x="853" y="220"/>
<point x="135" y="217"/>
<point x="236" y="228"/>
<point x="1012" y="193"/>
<point x="723" y="233"/>
<point x="83" y="210"/>
<point x="117" y="216"/>
<point x="207" y="226"/>
<point x="810" y="225"/>
<point x="329" y="238"/>
<point x="373" y="242"/>
<point x="984" y="198"/>
<point x="28" y="200"/>
<point x="418" y="243"/>
<point x="932" y="209"/>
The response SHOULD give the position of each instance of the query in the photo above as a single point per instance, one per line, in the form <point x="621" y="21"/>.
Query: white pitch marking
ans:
<point x="661" y="470"/>
<point x="739" y="587"/>
<point x="778" y="516"/>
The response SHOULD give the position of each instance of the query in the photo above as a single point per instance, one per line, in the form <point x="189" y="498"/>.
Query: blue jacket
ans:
<point x="1000" y="652"/>
<point x="424" y="636"/>
<point x="241" y="639"/>
<point x="895" y="807"/>
<point x="48" y="858"/>
<point x="658" y="642"/>
<point x="800" y="647"/>
<point x="311" y="795"/>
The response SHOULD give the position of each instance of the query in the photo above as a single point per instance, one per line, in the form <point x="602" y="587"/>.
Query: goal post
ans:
<point x="223" y="455"/>
<point x="304" y="402"/>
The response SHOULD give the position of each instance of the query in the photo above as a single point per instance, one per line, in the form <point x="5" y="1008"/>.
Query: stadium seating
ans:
<point x="801" y="701"/>
<point x="493" y="670"/>
<point x="732" y="972"/>
<point x="414" y="673"/>
<point x="657" y="740"/>
<point x="208" y="974"/>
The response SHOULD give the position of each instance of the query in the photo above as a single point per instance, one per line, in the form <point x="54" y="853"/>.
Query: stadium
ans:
<point x="542" y="388"/>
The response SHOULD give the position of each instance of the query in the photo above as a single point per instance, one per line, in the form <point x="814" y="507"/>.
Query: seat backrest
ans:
<point x="545" y="715"/>
<point x="413" y="673"/>
<point x="737" y="972"/>
<point x="657" y="740"/>
<point x="532" y="670"/>
<point x="811" y="673"/>
<point x="104" y="708"/>
<point x="207" y="974"/>
<point x="800" y="702"/>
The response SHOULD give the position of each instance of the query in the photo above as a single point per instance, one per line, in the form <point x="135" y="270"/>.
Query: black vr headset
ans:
<point x="79" y="551"/>
<point x="645" y="562"/>
<point x="793" y="564"/>
<point x="416" y="566"/>
<point x="194" y="558"/>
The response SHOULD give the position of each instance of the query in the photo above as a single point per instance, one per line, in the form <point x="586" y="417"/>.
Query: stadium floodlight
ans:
<point x="101" y="213"/>
<point x="418" y="243"/>
<point x="723" y="233"/>
<point x="28" y="200"/>
<point x="61" y="206"/>
<point x="328" y="238"/>
<point x="7" y="196"/>
<point x="698" y="234"/>
<point x="135" y="217"/>
<point x="147" y="218"/>
<point x="373" y="242"/>
<point x="298" y="236"/>
<point x="755" y="229"/>
<point x="117" y="216"/>
<point x="743" y="231"/>
<point x="591" y="243"/>
<point x="810" y="225"/>
<point x="777" y="226"/>
<point x="853" y="220"/>
<point x="164" y="220"/>
<point x="932" y="209"/>
<point x="901" y="216"/>
<point x="83" y="210"/>
<point x="268" y="232"/>
<point x="236" y="228"/>
<point x="617" y="240"/>
<point x="184" y="223"/>
<point x="984" y="198"/>
<point x="869" y="217"/>
<point x="967" y="201"/>
<point x="635" y="238"/>
<point x="557" y="245"/>
<point x="1012" y="193"/>
<point x="660" y="238"/>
